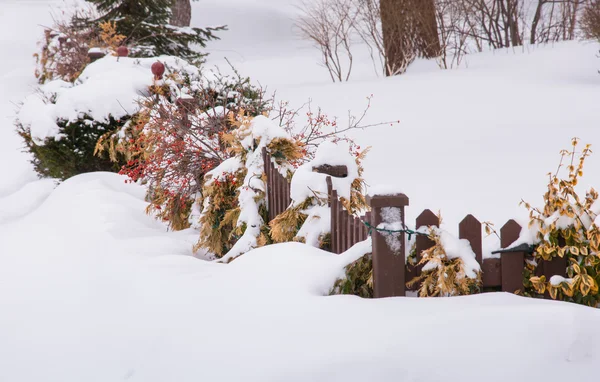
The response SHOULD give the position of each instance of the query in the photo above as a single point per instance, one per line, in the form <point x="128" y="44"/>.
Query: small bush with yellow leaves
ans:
<point x="567" y="228"/>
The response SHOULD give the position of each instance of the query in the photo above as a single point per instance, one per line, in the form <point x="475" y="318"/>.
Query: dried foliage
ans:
<point x="219" y="231"/>
<point x="234" y="194"/>
<point x="442" y="275"/>
<point x="287" y="224"/>
<point x="64" y="50"/>
<point x="566" y="229"/>
<point x="358" y="201"/>
<point x="109" y="35"/>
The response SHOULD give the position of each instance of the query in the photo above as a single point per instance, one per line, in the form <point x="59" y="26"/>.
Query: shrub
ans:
<point x="358" y="280"/>
<point x="179" y="136"/>
<point x="567" y="227"/>
<point x="72" y="152"/>
<point x="234" y="216"/>
<point x="62" y="122"/>
<point x="449" y="267"/>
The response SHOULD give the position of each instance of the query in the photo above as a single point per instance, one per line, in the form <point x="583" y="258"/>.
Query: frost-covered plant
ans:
<point x="308" y="217"/>
<point x="449" y="267"/>
<point x="568" y="227"/>
<point x="234" y="215"/>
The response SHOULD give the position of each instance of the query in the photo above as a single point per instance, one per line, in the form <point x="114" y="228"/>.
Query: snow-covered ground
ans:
<point x="92" y="289"/>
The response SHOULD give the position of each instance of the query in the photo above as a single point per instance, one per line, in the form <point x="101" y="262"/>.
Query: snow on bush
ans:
<point x="234" y="215"/>
<point x="62" y="121"/>
<point x="567" y="227"/>
<point x="449" y="268"/>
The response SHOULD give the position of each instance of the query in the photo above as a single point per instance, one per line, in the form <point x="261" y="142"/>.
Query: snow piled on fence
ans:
<point x="120" y="298"/>
<point x="263" y="131"/>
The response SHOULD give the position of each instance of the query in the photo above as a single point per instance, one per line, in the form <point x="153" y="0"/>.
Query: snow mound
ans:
<point x="104" y="292"/>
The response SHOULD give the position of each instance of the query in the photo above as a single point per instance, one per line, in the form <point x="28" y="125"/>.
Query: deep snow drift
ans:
<point x="97" y="291"/>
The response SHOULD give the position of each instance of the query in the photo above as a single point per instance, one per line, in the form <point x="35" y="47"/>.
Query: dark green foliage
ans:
<point x="145" y="24"/>
<point x="73" y="153"/>
<point x="358" y="280"/>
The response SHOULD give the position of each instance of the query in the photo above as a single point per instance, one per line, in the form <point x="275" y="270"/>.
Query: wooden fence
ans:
<point x="390" y="272"/>
<point x="278" y="188"/>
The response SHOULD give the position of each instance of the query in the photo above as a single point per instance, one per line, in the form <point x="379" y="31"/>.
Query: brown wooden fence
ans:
<point x="278" y="188"/>
<point x="346" y="230"/>
<point x="390" y="274"/>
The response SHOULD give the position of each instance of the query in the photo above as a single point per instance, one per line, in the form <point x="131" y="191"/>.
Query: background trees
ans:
<point x="397" y="32"/>
<point x="145" y="23"/>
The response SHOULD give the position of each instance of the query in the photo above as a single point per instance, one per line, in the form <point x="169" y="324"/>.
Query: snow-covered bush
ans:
<point x="308" y="217"/>
<point x="234" y="219"/>
<point x="449" y="268"/>
<point x="179" y="134"/>
<point x="567" y="227"/>
<point x="62" y="121"/>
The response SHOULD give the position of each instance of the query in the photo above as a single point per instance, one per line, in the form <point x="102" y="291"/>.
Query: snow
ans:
<point x="92" y="289"/>
<point x="556" y="280"/>
<point x="123" y="299"/>
<point x="306" y="182"/>
<point x="109" y="87"/>
<point x="392" y="219"/>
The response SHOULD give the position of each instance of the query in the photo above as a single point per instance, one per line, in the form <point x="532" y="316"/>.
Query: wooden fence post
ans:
<point x="512" y="263"/>
<point x="422" y="243"/>
<point x="470" y="229"/>
<point x="388" y="250"/>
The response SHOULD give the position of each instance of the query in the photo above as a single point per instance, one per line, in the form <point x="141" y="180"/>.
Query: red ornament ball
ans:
<point x="158" y="69"/>
<point x="122" y="51"/>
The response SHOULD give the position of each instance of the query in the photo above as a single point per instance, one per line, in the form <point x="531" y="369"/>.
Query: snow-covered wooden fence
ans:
<point x="390" y="271"/>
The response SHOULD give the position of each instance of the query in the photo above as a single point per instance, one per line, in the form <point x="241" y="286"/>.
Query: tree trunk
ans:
<point x="409" y="30"/>
<point x="181" y="13"/>
<point x="536" y="21"/>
